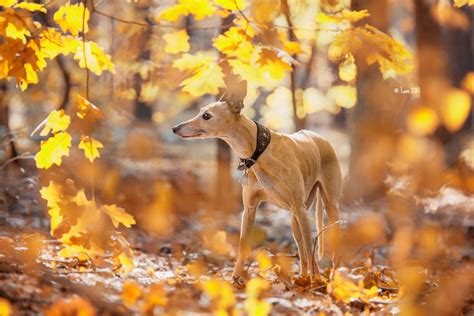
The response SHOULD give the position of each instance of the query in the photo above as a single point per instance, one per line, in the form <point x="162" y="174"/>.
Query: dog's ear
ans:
<point x="234" y="96"/>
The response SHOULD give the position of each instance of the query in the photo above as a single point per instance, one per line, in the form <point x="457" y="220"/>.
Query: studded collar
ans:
<point x="263" y="139"/>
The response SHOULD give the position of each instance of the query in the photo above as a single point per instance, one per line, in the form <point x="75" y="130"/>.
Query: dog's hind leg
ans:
<point x="299" y="243"/>
<point x="302" y="218"/>
<point x="330" y="191"/>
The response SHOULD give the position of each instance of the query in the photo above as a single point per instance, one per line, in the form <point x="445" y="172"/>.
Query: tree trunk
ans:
<point x="143" y="111"/>
<point x="226" y="197"/>
<point x="374" y="120"/>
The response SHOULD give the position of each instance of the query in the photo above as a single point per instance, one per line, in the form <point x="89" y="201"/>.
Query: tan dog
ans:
<point x="289" y="173"/>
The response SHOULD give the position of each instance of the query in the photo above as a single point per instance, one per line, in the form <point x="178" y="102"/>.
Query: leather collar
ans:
<point x="263" y="139"/>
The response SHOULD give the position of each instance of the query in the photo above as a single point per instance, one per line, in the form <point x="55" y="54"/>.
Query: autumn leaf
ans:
<point x="70" y="18"/>
<point x="207" y="75"/>
<point x="232" y="5"/>
<point x="91" y="147"/>
<point x="5" y="307"/>
<point x="52" y="150"/>
<point x="253" y="305"/>
<point x="199" y="8"/>
<point x="218" y="243"/>
<point x="95" y="59"/>
<point x="455" y="108"/>
<point x="33" y="7"/>
<point x="57" y="121"/>
<point x="73" y="305"/>
<point x="461" y="3"/>
<point x="130" y="293"/>
<point x="348" y="69"/>
<point x="118" y="215"/>
<point x="343" y="16"/>
<point x="220" y="292"/>
<point x="176" y="42"/>
<point x="273" y="64"/>
<point x="422" y="120"/>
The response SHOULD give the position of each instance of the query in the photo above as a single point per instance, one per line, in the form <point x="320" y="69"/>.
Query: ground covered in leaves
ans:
<point x="188" y="270"/>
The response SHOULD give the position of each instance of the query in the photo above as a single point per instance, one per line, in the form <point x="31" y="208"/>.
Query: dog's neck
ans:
<point x="243" y="136"/>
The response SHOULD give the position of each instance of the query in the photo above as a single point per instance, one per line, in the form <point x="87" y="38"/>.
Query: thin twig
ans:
<point x="21" y="157"/>
<point x="84" y="48"/>
<point x="323" y="230"/>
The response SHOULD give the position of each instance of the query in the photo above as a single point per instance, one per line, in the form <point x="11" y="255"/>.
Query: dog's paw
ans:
<point x="302" y="280"/>
<point x="238" y="282"/>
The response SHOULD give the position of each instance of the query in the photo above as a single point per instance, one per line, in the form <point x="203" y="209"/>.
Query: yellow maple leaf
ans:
<point x="233" y="5"/>
<point x="253" y="305"/>
<point x="118" y="215"/>
<point x="199" y="8"/>
<point x="96" y="60"/>
<point x="16" y="28"/>
<point x="207" y="75"/>
<point x="33" y="7"/>
<point x="54" y="43"/>
<point x="273" y="64"/>
<point x="52" y="150"/>
<point x="8" y="3"/>
<point x="5" y="307"/>
<point x="57" y="121"/>
<point x="91" y="147"/>
<point x="70" y="18"/>
<point x="130" y="293"/>
<point x="348" y="69"/>
<point x="220" y="292"/>
<point x="176" y="42"/>
<point x="87" y="110"/>
<point x="232" y="41"/>
<point x="461" y="3"/>
<point x="126" y="262"/>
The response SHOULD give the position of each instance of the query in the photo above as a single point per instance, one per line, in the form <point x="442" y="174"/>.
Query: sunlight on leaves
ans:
<point x="91" y="147"/>
<point x="70" y="18"/>
<point x="176" y="42"/>
<point x="422" y="121"/>
<point x="199" y="8"/>
<point x="348" y="69"/>
<point x="57" y="121"/>
<point x="53" y="150"/>
<point x="221" y="294"/>
<point x="95" y="59"/>
<point x="455" y="109"/>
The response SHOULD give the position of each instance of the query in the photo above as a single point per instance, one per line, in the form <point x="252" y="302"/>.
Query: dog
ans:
<point x="293" y="172"/>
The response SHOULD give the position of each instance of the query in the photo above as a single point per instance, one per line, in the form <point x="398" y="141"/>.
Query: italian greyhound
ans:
<point x="292" y="171"/>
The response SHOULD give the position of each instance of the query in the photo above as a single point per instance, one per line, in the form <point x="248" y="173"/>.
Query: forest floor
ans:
<point x="169" y="271"/>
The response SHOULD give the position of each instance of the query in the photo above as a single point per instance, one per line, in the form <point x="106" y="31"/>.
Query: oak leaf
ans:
<point x="57" y="121"/>
<point x="118" y="215"/>
<point x="52" y="150"/>
<point x="91" y="147"/>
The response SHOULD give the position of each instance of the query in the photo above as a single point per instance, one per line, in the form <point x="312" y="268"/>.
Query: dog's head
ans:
<point x="215" y="119"/>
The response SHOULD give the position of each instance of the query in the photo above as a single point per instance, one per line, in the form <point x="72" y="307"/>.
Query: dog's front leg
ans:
<point x="248" y="221"/>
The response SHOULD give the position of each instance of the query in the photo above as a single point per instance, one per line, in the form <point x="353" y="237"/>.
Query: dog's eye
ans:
<point x="206" y="116"/>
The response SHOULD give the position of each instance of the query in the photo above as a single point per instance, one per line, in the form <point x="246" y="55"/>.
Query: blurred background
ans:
<point x="389" y="83"/>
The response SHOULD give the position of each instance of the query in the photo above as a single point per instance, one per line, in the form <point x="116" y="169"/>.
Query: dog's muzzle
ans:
<point x="176" y="129"/>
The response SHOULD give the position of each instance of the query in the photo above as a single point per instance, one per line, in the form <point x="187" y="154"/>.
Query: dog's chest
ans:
<point x="269" y="188"/>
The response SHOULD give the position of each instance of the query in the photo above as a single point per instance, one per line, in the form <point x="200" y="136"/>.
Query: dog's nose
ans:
<point x="176" y="129"/>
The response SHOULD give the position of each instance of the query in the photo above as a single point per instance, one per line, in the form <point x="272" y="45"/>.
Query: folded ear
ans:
<point x="234" y="95"/>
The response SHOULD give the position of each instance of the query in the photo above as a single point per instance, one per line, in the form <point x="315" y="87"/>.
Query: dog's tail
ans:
<point x="320" y="222"/>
